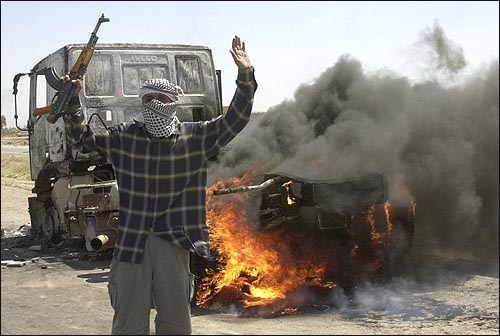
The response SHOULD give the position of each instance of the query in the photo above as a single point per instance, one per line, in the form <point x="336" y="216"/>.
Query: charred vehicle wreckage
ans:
<point x="279" y="241"/>
<point x="288" y="241"/>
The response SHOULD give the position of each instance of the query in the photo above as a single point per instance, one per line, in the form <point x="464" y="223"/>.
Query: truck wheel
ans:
<point x="400" y="243"/>
<point x="395" y="260"/>
<point x="50" y="226"/>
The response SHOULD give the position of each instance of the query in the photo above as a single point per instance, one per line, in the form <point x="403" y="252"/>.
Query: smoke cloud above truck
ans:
<point x="439" y="137"/>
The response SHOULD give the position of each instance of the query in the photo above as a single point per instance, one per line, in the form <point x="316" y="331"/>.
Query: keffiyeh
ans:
<point x="159" y="118"/>
<point x="160" y="85"/>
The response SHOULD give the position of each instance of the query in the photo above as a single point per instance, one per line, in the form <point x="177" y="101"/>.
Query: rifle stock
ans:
<point x="52" y="118"/>
<point x="42" y="110"/>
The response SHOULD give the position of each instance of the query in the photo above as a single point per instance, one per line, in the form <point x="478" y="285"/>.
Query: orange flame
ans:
<point x="290" y="200"/>
<point x="272" y="268"/>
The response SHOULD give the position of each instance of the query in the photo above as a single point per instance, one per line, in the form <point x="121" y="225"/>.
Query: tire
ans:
<point x="385" y="256"/>
<point x="400" y="244"/>
<point x="50" y="228"/>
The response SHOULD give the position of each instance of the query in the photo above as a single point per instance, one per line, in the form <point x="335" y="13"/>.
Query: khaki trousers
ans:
<point x="163" y="281"/>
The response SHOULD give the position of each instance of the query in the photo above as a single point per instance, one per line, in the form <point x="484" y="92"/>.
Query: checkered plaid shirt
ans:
<point x="162" y="183"/>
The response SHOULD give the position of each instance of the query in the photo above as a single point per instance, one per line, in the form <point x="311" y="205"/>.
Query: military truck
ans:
<point x="76" y="193"/>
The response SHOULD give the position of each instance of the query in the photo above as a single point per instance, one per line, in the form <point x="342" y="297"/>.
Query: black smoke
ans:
<point x="444" y="54"/>
<point x="441" y="141"/>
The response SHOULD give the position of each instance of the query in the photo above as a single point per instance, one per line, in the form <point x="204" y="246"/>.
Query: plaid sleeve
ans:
<point x="80" y="136"/>
<point x="220" y="131"/>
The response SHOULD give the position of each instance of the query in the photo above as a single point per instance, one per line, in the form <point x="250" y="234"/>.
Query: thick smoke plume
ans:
<point x="444" y="53"/>
<point x="441" y="143"/>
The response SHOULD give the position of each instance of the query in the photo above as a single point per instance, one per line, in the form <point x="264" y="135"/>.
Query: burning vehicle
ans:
<point x="289" y="241"/>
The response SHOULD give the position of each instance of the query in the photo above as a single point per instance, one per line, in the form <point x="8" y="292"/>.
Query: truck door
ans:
<point x="38" y="144"/>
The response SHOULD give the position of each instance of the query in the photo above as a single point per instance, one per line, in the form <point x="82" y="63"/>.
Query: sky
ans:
<point x="289" y="43"/>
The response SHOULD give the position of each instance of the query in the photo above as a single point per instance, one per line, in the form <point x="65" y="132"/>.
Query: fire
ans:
<point x="376" y="236"/>
<point x="387" y="207"/>
<point x="290" y="199"/>
<point x="278" y="271"/>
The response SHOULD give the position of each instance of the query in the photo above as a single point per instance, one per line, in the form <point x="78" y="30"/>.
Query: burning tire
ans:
<point x="383" y="236"/>
<point x="400" y="240"/>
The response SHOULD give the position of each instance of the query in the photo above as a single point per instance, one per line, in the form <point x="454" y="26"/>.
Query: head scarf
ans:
<point x="160" y="119"/>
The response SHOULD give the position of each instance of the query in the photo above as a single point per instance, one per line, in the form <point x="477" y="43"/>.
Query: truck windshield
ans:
<point x="135" y="69"/>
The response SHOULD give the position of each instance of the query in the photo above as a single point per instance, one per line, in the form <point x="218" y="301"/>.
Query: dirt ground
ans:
<point x="56" y="293"/>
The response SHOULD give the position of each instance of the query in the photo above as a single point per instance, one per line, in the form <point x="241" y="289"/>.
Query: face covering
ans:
<point x="159" y="118"/>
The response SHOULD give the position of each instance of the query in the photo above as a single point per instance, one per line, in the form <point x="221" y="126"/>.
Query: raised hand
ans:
<point x="77" y="83"/>
<point x="239" y="53"/>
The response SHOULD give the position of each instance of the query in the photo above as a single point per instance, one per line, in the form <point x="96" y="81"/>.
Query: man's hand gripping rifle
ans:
<point x="65" y="89"/>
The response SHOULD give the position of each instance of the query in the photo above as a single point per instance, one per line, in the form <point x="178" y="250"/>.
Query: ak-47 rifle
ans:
<point x="66" y="89"/>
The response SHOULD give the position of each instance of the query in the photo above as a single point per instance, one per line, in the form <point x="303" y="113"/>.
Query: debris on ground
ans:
<point x="13" y="263"/>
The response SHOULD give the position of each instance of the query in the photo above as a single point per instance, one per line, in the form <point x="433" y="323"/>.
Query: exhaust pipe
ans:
<point x="261" y="186"/>
<point x="98" y="242"/>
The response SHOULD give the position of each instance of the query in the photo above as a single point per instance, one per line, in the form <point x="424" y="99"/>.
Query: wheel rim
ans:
<point x="51" y="221"/>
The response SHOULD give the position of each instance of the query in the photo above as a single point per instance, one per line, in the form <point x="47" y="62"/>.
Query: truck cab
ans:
<point x="75" y="192"/>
